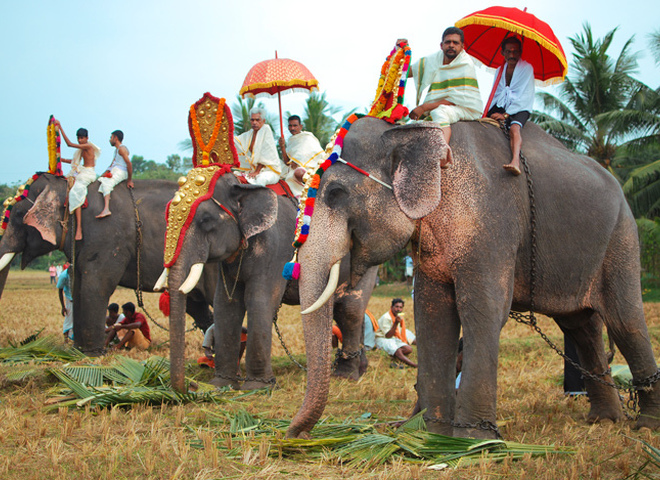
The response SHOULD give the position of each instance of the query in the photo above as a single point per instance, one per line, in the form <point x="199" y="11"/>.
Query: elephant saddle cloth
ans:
<point x="280" y="188"/>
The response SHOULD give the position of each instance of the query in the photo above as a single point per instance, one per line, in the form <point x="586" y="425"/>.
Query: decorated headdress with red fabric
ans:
<point x="212" y="131"/>
<point x="54" y="167"/>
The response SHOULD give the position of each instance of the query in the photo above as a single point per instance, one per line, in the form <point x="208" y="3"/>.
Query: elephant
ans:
<point x="106" y="256"/>
<point x="248" y="231"/>
<point x="470" y="225"/>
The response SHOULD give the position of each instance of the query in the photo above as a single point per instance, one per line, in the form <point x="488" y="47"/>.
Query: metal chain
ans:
<point x="486" y="425"/>
<point x="341" y="354"/>
<point x="222" y="271"/>
<point x="279" y="335"/>
<point x="138" y="249"/>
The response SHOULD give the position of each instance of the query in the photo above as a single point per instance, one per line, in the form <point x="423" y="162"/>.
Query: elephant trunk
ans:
<point x="177" y="329"/>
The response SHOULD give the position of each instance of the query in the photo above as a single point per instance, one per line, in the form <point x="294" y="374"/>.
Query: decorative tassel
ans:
<point x="164" y="303"/>
<point x="291" y="269"/>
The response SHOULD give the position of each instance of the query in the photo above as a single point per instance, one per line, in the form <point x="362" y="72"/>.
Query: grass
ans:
<point x="190" y="442"/>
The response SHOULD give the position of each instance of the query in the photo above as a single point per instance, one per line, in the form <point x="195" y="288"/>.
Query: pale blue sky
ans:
<point x="139" y="65"/>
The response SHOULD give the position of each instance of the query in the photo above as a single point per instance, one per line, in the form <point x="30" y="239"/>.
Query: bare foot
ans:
<point x="512" y="169"/>
<point x="78" y="235"/>
<point x="104" y="213"/>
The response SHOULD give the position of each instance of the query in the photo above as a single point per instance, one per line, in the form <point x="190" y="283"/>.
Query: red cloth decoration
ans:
<point x="164" y="303"/>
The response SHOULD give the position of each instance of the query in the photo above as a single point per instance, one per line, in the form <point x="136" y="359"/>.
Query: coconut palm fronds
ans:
<point x="44" y="349"/>
<point x="361" y="444"/>
<point x="18" y="375"/>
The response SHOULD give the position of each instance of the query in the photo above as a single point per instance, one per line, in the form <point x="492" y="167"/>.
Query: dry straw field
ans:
<point x="157" y="442"/>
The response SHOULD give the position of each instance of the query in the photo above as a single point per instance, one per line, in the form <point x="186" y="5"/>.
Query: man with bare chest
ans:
<point x="82" y="175"/>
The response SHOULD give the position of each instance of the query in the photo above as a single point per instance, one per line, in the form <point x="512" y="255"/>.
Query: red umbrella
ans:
<point x="277" y="76"/>
<point x="484" y="31"/>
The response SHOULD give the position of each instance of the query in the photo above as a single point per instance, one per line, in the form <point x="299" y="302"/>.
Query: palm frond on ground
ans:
<point x="37" y="350"/>
<point x="360" y="444"/>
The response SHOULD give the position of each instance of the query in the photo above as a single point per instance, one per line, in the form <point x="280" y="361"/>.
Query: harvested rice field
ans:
<point x="200" y="440"/>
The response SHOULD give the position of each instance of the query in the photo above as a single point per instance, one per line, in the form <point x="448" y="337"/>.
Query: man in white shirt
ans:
<point x="513" y="100"/>
<point x="301" y="153"/>
<point x="257" y="151"/>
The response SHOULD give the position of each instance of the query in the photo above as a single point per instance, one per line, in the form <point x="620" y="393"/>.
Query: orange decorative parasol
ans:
<point x="484" y="31"/>
<point x="277" y="76"/>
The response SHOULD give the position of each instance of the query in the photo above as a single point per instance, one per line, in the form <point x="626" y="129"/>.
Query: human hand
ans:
<point x="416" y="113"/>
<point x="64" y="312"/>
<point x="497" y="116"/>
<point x="130" y="184"/>
<point x="282" y="142"/>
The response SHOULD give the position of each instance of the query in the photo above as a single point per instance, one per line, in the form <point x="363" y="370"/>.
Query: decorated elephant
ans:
<point x="107" y="255"/>
<point x="215" y="219"/>
<point x="473" y="250"/>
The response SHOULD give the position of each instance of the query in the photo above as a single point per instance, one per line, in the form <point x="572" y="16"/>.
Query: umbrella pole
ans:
<point x="279" y="103"/>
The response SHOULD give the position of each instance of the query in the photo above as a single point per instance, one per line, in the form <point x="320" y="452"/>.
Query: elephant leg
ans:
<point x="262" y="299"/>
<point x="483" y="307"/>
<point x="585" y="329"/>
<point x="349" y="314"/>
<point x="228" y="319"/>
<point x="437" y="328"/>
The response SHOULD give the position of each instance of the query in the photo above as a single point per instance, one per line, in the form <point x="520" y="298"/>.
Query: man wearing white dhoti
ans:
<point x="260" y="163"/>
<point x="119" y="170"/>
<point x="451" y="79"/>
<point x="82" y="175"/>
<point x="392" y="335"/>
<point x="301" y="153"/>
<point x="513" y="97"/>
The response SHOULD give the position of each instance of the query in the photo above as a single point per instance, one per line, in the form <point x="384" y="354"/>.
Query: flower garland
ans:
<point x="388" y="103"/>
<point x="206" y="147"/>
<point x="54" y="141"/>
<point x="21" y="193"/>
<point x="386" y="106"/>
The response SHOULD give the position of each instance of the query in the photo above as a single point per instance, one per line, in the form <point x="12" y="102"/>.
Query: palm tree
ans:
<point x="600" y="85"/>
<point x="318" y="117"/>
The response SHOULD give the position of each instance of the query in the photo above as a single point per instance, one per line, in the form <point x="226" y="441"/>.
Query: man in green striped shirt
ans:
<point x="451" y="79"/>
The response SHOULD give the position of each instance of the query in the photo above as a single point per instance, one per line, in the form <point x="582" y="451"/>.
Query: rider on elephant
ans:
<point x="302" y="153"/>
<point x="513" y="97"/>
<point x="119" y="170"/>
<point x="257" y="151"/>
<point x="453" y="90"/>
<point x="82" y="175"/>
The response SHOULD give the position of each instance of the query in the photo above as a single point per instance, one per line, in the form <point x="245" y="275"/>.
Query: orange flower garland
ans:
<point x="388" y="103"/>
<point x="53" y="137"/>
<point x="206" y="147"/>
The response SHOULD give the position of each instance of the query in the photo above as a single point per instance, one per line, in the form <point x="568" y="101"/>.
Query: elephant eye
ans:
<point x="336" y="195"/>
<point x="206" y="223"/>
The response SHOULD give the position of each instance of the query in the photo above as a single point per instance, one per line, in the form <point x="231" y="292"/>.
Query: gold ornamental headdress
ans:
<point x="212" y="131"/>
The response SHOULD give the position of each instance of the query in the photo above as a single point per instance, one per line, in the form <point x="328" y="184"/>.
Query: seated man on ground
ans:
<point x="513" y="97"/>
<point x="453" y="90"/>
<point x="82" y="175"/>
<point x="208" y="359"/>
<point x="257" y="151"/>
<point x="392" y="336"/>
<point x="113" y="317"/>
<point x="119" y="170"/>
<point x="133" y="331"/>
<point x="302" y="153"/>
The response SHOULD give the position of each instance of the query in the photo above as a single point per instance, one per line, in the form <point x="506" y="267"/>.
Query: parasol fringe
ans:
<point x="293" y="86"/>
<point x="520" y="29"/>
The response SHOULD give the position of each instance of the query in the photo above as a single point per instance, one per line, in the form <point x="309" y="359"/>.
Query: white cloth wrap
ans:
<point x="519" y="95"/>
<point x="392" y="344"/>
<point x="430" y="71"/>
<point x="263" y="153"/>
<point x="108" y="184"/>
<point x="305" y="151"/>
<point x="67" y="326"/>
<point x="78" y="192"/>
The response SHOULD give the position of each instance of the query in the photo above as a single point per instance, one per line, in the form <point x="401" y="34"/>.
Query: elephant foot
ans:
<point x="603" y="413"/>
<point x="346" y="371"/>
<point x="648" y="421"/>
<point x="221" y="382"/>
<point x="258" y="383"/>
<point x="302" y="434"/>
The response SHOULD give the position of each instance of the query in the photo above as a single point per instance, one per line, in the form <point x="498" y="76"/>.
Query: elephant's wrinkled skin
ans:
<point x="253" y="246"/>
<point x="473" y="252"/>
<point x="106" y="256"/>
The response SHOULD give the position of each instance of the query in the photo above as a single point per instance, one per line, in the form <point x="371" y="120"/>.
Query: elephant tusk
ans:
<point x="6" y="259"/>
<point x="193" y="277"/>
<point x="333" y="280"/>
<point x="161" y="283"/>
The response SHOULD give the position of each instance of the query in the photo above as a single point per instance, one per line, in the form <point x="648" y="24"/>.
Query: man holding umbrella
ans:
<point x="513" y="97"/>
<point x="257" y="151"/>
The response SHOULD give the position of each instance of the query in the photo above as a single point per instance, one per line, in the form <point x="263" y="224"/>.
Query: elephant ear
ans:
<point x="44" y="214"/>
<point x="416" y="152"/>
<point x="257" y="209"/>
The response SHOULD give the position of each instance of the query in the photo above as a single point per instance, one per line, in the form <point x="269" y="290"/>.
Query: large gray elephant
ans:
<point x="248" y="231"/>
<point x="473" y="250"/>
<point x="106" y="256"/>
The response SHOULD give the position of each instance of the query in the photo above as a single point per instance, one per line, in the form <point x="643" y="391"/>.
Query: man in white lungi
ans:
<point x="82" y="175"/>
<point x="119" y="170"/>
<point x="392" y="336"/>
<point x="302" y="153"/>
<point x="451" y="79"/>
<point x="260" y="163"/>
<point x="513" y="97"/>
